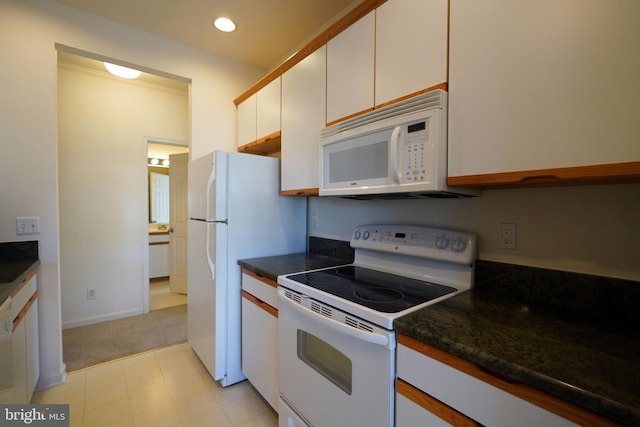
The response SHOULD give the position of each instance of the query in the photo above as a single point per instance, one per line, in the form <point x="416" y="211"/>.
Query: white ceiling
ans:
<point x="267" y="31"/>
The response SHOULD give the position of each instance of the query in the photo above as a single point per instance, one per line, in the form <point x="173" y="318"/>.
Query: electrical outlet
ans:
<point x="91" y="293"/>
<point x="507" y="236"/>
<point x="314" y="222"/>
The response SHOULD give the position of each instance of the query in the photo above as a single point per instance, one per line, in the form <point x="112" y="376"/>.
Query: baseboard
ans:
<point x="101" y="318"/>
<point x="52" y="380"/>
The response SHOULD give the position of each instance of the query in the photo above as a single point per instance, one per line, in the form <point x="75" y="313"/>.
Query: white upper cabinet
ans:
<point x="303" y="116"/>
<point x="543" y="90"/>
<point x="247" y="114"/>
<point x="268" y="109"/>
<point x="259" y="115"/>
<point x="411" y="47"/>
<point x="350" y="70"/>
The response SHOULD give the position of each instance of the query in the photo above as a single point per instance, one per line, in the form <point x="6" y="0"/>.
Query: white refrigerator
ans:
<point x="235" y="212"/>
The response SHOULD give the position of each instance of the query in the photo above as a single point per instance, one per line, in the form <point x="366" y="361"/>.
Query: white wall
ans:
<point x="29" y="30"/>
<point x="589" y="229"/>
<point x="102" y="156"/>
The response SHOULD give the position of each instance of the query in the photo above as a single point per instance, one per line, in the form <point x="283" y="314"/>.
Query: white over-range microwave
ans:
<point x="398" y="151"/>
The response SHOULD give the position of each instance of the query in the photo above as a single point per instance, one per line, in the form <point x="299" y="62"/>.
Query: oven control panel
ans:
<point x="419" y="241"/>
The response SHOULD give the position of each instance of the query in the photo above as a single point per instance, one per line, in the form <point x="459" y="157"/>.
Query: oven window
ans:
<point x="325" y="359"/>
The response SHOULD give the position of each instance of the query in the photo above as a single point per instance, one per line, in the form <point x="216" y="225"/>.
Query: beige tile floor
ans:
<point x="163" y="387"/>
<point x="161" y="297"/>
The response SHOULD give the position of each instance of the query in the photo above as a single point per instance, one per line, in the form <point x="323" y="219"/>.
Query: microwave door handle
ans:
<point x="393" y="148"/>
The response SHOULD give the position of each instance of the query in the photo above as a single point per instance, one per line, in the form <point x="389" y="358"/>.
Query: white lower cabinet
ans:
<point x="409" y="413"/>
<point x="457" y="398"/>
<point x="260" y="336"/>
<point x="26" y="360"/>
<point x="158" y="255"/>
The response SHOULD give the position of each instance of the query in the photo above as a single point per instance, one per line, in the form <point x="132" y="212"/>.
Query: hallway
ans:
<point x="161" y="297"/>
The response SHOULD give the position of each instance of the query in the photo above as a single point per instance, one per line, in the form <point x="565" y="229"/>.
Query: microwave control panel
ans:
<point x="415" y="152"/>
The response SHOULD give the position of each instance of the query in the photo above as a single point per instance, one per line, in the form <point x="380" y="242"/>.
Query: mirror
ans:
<point x="158" y="169"/>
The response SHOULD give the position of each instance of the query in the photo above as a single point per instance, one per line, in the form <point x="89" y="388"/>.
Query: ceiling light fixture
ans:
<point x="224" y="24"/>
<point x="120" y="71"/>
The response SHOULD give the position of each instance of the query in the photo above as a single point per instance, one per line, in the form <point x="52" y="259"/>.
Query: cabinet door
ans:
<point x="303" y="116"/>
<point x="32" y="349"/>
<point x="247" y="115"/>
<point x="470" y="396"/>
<point x="350" y="66"/>
<point x="411" y="47"/>
<point x="20" y="388"/>
<point x="410" y="414"/>
<point x="268" y="109"/>
<point x="260" y="350"/>
<point x="536" y="85"/>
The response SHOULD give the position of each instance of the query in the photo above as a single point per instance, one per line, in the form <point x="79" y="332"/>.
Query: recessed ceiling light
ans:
<point x="224" y="24"/>
<point x="124" y="72"/>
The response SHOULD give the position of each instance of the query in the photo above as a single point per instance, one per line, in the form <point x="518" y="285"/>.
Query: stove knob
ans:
<point x="365" y="235"/>
<point x="356" y="235"/>
<point x="459" y="245"/>
<point x="442" y="242"/>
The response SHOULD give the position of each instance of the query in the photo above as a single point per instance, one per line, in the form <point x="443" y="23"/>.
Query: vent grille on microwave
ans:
<point x="432" y="99"/>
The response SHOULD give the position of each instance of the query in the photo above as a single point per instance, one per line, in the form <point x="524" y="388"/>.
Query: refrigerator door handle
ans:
<point x="210" y="185"/>
<point x="212" y="266"/>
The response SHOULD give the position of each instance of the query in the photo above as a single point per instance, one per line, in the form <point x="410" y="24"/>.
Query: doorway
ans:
<point x="104" y="126"/>
<point x="167" y="200"/>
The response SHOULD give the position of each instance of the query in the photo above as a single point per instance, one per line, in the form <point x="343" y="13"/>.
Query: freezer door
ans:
<point x="207" y="297"/>
<point x="208" y="187"/>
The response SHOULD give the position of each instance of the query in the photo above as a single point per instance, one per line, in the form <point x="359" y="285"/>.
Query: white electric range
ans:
<point x="337" y="344"/>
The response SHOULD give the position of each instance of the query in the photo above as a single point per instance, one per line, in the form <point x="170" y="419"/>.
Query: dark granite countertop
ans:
<point x="577" y="347"/>
<point x="321" y="253"/>
<point x="274" y="266"/>
<point x="17" y="261"/>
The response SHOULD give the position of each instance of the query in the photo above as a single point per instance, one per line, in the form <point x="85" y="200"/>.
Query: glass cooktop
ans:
<point x="384" y="292"/>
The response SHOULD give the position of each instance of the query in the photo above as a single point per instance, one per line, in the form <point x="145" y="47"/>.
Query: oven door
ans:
<point x="331" y="373"/>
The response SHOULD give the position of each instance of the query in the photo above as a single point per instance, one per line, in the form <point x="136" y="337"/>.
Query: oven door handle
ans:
<point x="370" y="337"/>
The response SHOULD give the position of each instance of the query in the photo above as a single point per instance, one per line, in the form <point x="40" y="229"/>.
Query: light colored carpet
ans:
<point x="89" y="345"/>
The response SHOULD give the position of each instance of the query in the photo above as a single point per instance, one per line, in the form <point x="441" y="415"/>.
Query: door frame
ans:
<point x="145" y="238"/>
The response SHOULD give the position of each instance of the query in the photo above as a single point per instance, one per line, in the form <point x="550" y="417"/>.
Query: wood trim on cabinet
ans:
<point x="24" y="282"/>
<point x="612" y="173"/>
<point x="261" y="304"/>
<point x="24" y="310"/>
<point x="433" y="405"/>
<point x="266" y="145"/>
<point x="158" y="243"/>
<point x="304" y="192"/>
<point x="260" y="277"/>
<point x="444" y="86"/>
<point x="333" y="30"/>
<point x="539" y="398"/>
<point x="350" y="116"/>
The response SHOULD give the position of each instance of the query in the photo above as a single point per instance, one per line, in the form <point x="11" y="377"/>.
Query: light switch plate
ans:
<point x="28" y="225"/>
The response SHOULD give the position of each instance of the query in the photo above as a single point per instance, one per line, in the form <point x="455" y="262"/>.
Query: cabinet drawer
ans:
<point x="158" y="238"/>
<point x="470" y="396"/>
<point x="22" y="295"/>
<point x="260" y="287"/>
